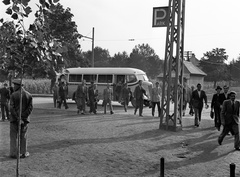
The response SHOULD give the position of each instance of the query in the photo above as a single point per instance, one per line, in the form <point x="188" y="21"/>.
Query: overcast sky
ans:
<point x="209" y="24"/>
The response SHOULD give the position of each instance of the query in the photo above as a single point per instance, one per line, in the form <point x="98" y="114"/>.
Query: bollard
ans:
<point x="232" y="170"/>
<point x="162" y="167"/>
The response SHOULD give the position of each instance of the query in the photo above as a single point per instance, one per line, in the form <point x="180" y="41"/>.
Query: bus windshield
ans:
<point x="142" y="77"/>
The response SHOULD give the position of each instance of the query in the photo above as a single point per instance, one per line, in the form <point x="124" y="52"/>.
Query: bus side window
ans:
<point x="105" y="78"/>
<point x="89" y="77"/>
<point x="120" y="78"/>
<point x="75" y="78"/>
<point x="131" y="78"/>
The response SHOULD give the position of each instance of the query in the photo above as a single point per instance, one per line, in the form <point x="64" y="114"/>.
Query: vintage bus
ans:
<point x="102" y="76"/>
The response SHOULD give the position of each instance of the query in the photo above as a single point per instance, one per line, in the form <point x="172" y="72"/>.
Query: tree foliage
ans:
<point x="26" y="49"/>
<point x="213" y="64"/>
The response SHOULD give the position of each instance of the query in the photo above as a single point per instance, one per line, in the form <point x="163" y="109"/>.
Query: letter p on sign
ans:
<point x="160" y="16"/>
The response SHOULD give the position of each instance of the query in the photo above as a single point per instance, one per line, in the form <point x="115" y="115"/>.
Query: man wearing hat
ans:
<point x="216" y="107"/>
<point x="27" y="107"/>
<point x="5" y="96"/>
<point x="230" y="119"/>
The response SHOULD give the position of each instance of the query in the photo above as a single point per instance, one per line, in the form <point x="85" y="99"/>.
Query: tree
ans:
<point x="101" y="57"/>
<point x="213" y="65"/>
<point x="28" y="48"/>
<point x="143" y="57"/>
<point x="63" y="29"/>
<point x="119" y="60"/>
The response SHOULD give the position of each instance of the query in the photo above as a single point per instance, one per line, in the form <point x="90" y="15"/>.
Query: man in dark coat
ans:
<point x="5" y="96"/>
<point x="230" y="119"/>
<point x="27" y="107"/>
<point x="216" y="107"/>
<point x="138" y="95"/>
<point x="198" y="96"/>
<point x="92" y="97"/>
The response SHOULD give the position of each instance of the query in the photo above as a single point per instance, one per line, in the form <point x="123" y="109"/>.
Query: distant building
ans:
<point x="192" y="74"/>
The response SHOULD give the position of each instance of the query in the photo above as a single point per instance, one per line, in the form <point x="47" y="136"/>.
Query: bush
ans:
<point x="39" y="86"/>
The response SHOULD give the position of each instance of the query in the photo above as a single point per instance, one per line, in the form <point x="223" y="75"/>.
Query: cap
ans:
<point x="232" y="92"/>
<point x="218" y="87"/>
<point x="16" y="81"/>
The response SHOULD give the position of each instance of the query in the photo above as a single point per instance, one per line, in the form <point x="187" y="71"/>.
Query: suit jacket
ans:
<point x="216" y="101"/>
<point x="228" y="115"/>
<point x="197" y="101"/>
<point x="107" y="94"/>
<point x="92" y="94"/>
<point x="139" y="92"/>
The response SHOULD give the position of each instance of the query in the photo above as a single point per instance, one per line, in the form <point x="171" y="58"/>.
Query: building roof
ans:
<point x="192" y="69"/>
<point x="189" y="69"/>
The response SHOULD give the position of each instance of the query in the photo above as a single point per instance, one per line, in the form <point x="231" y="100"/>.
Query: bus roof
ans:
<point x="106" y="70"/>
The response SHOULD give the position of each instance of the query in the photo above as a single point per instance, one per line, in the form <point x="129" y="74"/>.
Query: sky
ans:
<point x="209" y="24"/>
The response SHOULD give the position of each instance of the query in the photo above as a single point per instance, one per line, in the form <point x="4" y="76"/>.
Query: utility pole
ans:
<point x="172" y="90"/>
<point x="92" y="38"/>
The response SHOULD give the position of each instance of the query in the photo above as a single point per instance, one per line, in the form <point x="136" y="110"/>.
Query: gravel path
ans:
<point x="64" y="144"/>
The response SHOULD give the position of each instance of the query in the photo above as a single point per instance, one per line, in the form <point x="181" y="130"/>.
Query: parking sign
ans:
<point x="160" y="16"/>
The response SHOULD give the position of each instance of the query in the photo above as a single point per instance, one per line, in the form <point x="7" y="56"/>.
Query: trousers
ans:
<point x="13" y="139"/>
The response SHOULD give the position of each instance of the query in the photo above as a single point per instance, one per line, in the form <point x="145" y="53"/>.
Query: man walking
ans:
<point x="27" y="107"/>
<point x="230" y="119"/>
<point x="107" y="98"/>
<point x="155" y="98"/>
<point x="92" y="97"/>
<point x="81" y="96"/>
<point x="138" y="94"/>
<point x="5" y="96"/>
<point x="198" y="96"/>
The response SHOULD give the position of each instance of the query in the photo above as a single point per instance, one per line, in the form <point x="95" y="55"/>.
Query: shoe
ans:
<point x="140" y="115"/>
<point x="219" y="142"/>
<point x="237" y="149"/>
<point x="196" y="125"/>
<point x="82" y="113"/>
<point x="25" y="155"/>
<point x="111" y="112"/>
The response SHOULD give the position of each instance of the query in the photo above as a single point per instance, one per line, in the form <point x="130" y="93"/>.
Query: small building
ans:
<point x="192" y="74"/>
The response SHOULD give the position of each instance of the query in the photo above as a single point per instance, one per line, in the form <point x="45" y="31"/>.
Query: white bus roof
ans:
<point x="106" y="70"/>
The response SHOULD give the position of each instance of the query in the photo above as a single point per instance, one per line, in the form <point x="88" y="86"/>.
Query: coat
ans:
<point x="5" y="95"/>
<point x="139" y="92"/>
<point x="27" y="106"/>
<point x="155" y="95"/>
<point x="81" y="92"/>
<point x="197" y="101"/>
<point x="228" y="115"/>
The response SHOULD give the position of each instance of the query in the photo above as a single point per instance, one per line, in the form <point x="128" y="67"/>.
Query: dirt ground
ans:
<point x="64" y="144"/>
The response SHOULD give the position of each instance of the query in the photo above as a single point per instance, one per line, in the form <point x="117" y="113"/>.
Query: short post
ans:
<point x="232" y="170"/>
<point x="162" y="167"/>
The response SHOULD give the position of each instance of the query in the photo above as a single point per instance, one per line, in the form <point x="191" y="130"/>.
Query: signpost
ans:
<point x="160" y="17"/>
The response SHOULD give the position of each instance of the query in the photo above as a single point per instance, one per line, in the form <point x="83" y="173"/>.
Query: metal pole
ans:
<point x="162" y="167"/>
<point x="19" y="128"/>
<point x="232" y="170"/>
<point x="93" y="47"/>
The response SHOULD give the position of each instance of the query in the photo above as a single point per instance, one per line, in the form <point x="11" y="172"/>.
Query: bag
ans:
<point x="212" y="114"/>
